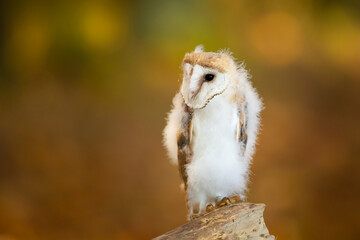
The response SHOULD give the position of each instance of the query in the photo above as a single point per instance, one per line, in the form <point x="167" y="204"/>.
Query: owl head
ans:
<point x="205" y="75"/>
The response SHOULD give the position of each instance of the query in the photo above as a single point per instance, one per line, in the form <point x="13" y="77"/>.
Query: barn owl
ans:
<point x="212" y="128"/>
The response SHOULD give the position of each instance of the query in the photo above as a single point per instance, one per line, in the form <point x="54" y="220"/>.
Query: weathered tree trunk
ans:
<point x="237" y="221"/>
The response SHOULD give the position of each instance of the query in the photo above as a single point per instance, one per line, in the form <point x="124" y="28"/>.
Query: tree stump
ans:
<point x="243" y="221"/>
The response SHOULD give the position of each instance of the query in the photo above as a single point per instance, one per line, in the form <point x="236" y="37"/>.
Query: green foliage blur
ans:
<point x="84" y="91"/>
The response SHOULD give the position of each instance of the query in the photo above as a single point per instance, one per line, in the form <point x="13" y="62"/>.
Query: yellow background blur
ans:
<point x="84" y="91"/>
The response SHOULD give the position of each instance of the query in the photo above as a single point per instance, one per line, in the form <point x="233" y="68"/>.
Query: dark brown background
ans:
<point x="84" y="91"/>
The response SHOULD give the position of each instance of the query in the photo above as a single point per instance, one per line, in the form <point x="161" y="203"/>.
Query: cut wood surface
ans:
<point x="237" y="221"/>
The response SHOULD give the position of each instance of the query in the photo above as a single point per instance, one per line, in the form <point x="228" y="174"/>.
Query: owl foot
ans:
<point x="194" y="216"/>
<point x="209" y="207"/>
<point x="223" y="202"/>
<point x="235" y="199"/>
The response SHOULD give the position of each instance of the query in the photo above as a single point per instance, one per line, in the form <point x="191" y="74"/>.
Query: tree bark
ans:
<point x="236" y="221"/>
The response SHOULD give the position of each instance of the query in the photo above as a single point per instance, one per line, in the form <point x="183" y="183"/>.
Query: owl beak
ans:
<point x="193" y="94"/>
<point x="194" y="88"/>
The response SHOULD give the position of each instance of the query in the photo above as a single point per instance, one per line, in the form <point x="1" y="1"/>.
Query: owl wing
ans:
<point x="177" y="135"/>
<point x="249" y="107"/>
<point x="242" y="125"/>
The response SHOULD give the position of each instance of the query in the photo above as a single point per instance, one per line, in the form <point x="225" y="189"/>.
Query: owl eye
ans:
<point x="209" y="77"/>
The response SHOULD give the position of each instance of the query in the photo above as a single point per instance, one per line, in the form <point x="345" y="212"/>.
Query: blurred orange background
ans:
<point x="85" y="87"/>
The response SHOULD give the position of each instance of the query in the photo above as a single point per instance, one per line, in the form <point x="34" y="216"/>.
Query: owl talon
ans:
<point x="194" y="216"/>
<point x="235" y="199"/>
<point x="209" y="207"/>
<point x="223" y="202"/>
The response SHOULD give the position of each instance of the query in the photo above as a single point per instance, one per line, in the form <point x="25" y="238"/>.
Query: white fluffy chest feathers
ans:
<point x="216" y="122"/>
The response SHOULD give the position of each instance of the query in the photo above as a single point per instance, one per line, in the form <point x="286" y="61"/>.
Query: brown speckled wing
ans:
<point x="243" y="118"/>
<point x="184" y="144"/>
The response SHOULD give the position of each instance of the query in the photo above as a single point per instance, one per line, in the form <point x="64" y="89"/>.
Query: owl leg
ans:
<point x="197" y="209"/>
<point x="194" y="210"/>
<point x="202" y="208"/>
<point x="192" y="215"/>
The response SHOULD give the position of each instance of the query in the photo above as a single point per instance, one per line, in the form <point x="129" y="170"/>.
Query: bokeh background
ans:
<point x="84" y="91"/>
